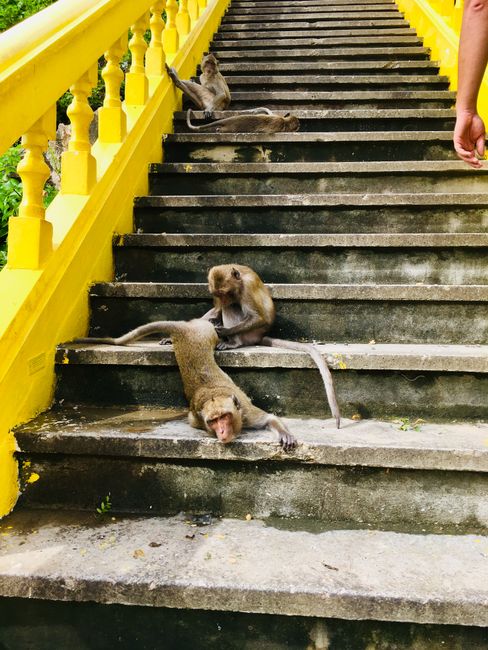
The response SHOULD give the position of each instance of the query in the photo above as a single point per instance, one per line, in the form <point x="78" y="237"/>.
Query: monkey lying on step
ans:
<point x="217" y="404"/>
<point x="243" y="312"/>
<point x="250" y="123"/>
<point x="212" y="93"/>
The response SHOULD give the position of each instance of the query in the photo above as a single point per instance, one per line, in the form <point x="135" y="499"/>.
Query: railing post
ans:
<point x="171" y="41"/>
<point x="29" y="234"/>
<point x="136" y="82"/>
<point x="155" y="58"/>
<point x="194" y="11"/>
<point x="112" y="121"/>
<point x="183" y="22"/>
<point x="78" y="166"/>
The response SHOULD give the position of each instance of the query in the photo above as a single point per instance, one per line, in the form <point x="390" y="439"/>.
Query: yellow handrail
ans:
<point x="55" y="254"/>
<point x="438" y="22"/>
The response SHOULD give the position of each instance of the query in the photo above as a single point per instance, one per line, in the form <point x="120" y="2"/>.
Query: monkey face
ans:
<point x="209" y="63"/>
<point x="222" y="417"/>
<point x="225" y="283"/>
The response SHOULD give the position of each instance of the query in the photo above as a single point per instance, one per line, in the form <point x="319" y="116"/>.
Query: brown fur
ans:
<point x="209" y="390"/>
<point x="212" y="93"/>
<point x="243" y="312"/>
<point x="267" y="123"/>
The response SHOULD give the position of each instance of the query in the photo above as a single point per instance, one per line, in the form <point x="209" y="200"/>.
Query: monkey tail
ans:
<point x="191" y="126"/>
<point x="158" y="327"/>
<point x="319" y="362"/>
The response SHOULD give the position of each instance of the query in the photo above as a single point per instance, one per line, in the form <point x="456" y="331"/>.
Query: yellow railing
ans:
<point x="54" y="254"/>
<point x="438" y="22"/>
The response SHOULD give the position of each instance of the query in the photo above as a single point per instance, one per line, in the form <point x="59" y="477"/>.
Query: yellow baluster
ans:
<point x="29" y="234"/>
<point x="78" y="166"/>
<point x="457" y="15"/>
<point x="155" y="58"/>
<point x="112" y="121"/>
<point x="194" y="11"/>
<point x="136" y="83"/>
<point x="202" y="4"/>
<point x="171" y="40"/>
<point x="183" y="22"/>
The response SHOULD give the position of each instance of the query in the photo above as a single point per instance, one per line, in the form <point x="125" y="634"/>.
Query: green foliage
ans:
<point x="105" y="505"/>
<point x="10" y="194"/>
<point x="13" y="11"/>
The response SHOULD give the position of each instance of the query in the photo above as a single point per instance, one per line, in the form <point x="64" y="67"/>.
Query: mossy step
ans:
<point x="296" y="55"/>
<point x="373" y="356"/>
<point x="316" y="178"/>
<point x="335" y="67"/>
<point x="310" y="33"/>
<point x="162" y="434"/>
<point x="245" y="566"/>
<point x="151" y="462"/>
<point x="340" y="313"/>
<point x="330" y="24"/>
<point x="325" y="41"/>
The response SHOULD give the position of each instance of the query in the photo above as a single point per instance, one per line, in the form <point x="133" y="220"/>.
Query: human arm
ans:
<point x="469" y="131"/>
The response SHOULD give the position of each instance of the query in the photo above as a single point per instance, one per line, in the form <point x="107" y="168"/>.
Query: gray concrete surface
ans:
<point x="246" y="566"/>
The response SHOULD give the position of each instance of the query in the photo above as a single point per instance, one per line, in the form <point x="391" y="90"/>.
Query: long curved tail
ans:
<point x="319" y="362"/>
<point x="165" y="327"/>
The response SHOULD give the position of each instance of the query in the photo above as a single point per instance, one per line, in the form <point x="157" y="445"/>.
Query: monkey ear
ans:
<point x="235" y="399"/>
<point x="236" y="274"/>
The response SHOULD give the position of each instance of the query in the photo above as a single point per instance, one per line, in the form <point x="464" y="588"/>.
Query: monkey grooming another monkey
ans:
<point x="243" y="312"/>
<point x="217" y="404"/>
<point x="255" y="123"/>
<point x="212" y="93"/>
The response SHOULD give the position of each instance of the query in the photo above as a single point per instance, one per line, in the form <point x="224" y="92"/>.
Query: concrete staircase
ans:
<point x="373" y="238"/>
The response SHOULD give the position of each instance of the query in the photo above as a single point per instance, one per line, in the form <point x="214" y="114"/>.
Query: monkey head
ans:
<point x="222" y="417"/>
<point x="291" y="122"/>
<point x="209" y="64"/>
<point x="225" y="282"/>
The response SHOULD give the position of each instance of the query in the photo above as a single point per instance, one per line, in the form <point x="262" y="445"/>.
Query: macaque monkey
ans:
<point x="243" y="312"/>
<point x="255" y="123"/>
<point x="217" y="404"/>
<point x="212" y="93"/>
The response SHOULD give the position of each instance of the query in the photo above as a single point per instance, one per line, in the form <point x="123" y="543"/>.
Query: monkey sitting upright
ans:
<point x="217" y="404"/>
<point x="244" y="311"/>
<point x="212" y="93"/>
<point x="262" y="120"/>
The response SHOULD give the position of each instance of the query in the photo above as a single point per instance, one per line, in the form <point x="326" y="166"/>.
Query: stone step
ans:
<point x="316" y="178"/>
<point x="341" y="313"/>
<point x="332" y="82"/>
<point x="430" y="258"/>
<point x="297" y="56"/>
<point x="390" y="475"/>
<point x="312" y="213"/>
<point x="312" y="13"/>
<point x="327" y="41"/>
<point x="310" y="33"/>
<point x="336" y="67"/>
<point x="340" y="99"/>
<point x="329" y="24"/>
<point x="306" y="147"/>
<point x="293" y="7"/>
<point x="373" y="380"/>
<point x="245" y="566"/>
<point x="358" y="119"/>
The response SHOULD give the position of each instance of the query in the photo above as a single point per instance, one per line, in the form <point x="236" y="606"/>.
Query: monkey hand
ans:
<point x="208" y="114"/>
<point x="287" y="441"/>
<point x="227" y="345"/>
<point x="221" y="330"/>
<point x="165" y="341"/>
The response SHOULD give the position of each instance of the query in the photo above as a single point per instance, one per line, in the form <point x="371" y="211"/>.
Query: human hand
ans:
<point x="469" y="138"/>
